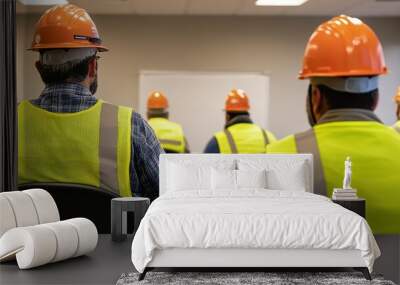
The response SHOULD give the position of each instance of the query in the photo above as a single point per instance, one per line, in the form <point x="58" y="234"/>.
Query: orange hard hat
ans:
<point x="397" y="96"/>
<point x="237" y="101"/>
<point x="157" y="100"/>
<point x="66" y="26"/>
<point x="343" y="46"/>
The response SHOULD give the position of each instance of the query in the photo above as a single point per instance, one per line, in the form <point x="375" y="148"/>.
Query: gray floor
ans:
<point x="103" y="266"/>
<point x="106" y="264"/>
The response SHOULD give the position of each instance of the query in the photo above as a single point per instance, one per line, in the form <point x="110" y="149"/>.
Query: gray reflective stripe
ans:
<point x="231" y="142"/>
<point x="266" y="140"/>
<point x="397" y="128"/>
<point x="172" y="142"/>
<point x="108" y="147"/>
<point x="306" y="142"/>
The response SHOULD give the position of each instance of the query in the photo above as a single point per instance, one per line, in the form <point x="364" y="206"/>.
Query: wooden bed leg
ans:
<point x="365" y="272"/>
<point x="143" y="274"/>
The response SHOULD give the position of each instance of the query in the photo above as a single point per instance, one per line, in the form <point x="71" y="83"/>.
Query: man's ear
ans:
<point x="316" y="99"/>
<point x="92" y="68"/>
<point x="376" y="101"/>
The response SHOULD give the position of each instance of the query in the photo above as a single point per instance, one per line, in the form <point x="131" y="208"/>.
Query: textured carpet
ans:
<point x="243" y="278"/>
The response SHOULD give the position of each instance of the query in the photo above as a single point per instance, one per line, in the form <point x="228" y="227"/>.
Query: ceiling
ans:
<point x="230" y="7"/>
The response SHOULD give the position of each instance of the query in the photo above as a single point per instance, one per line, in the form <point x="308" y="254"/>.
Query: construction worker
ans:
<point x="343" y="60"/>
<point x="240" y="134"/>
<point x="68" y="135"/>
<point x="396" y="126"/>
<point x="169" y="134"/>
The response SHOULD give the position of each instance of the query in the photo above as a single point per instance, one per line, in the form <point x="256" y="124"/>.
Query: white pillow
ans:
<point x="293" y="179"/>
<point x="188" y="177"/>
<point x="223" y="179"/>
<point x="282" y="174"/>
<point x="251" y="178"/>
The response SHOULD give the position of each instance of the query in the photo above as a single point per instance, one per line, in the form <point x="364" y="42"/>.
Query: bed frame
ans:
<point x="236" y="259"/>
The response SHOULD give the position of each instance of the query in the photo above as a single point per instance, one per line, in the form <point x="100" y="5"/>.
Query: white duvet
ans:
<point x="250" y="219"/>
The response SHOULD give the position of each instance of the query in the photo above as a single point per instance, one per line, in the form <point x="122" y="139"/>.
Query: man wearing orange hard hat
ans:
<point x="170" y="134"/>
<point x="343" y="60"/>
<point x="240" y="134"/>
<point x="396" y="126"/>
<point x="67" y="135"/>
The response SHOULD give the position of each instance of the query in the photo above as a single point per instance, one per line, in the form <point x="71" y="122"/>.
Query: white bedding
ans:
<point x="250" y="219"/>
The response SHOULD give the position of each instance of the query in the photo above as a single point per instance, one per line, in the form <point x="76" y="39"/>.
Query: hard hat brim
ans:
<point x="353" y="73"/>
<point x="39" y="47"/>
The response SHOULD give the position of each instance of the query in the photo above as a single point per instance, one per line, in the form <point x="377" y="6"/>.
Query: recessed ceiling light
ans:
<point x="280" y="2"/>
<point x="43" y="2"/>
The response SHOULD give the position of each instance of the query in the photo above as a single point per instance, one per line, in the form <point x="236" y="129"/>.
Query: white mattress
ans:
<point x="252" y="219"/>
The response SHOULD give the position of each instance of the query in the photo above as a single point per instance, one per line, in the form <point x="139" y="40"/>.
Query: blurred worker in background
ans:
<point x="68" y="135"/>
<point x="396" y="126"/>
<point x="240" y="134"/>
<point x="169" y="134"/>
<point x="343" y="60"/>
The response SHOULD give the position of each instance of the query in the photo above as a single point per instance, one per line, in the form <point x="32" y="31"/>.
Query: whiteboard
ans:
<point x="197" y="99"/>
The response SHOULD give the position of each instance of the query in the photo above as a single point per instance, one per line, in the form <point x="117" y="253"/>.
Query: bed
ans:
<point x="247" y="211"/>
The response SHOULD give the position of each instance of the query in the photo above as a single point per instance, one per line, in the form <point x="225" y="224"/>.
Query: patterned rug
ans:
<point x="253" y="278"/>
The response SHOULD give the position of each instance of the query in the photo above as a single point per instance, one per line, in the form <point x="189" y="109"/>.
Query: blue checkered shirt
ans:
<point x="145" y="149"/>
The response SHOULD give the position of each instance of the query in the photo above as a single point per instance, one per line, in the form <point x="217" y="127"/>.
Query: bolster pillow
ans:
<point x="26" y="208"/>
<point x="40" y="244"/>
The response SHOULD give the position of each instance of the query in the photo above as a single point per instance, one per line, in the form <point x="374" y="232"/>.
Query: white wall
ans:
<point x="238" y="44"/>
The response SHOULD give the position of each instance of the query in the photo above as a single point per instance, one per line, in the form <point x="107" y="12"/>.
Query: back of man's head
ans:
<point x="65" y="65"/>
<point x="335" y="99"/>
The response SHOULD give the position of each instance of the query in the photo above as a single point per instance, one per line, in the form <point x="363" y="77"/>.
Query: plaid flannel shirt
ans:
<point x="145" y="149"/>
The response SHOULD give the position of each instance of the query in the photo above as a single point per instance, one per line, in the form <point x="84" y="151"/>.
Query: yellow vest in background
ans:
<point x="169" y="134"/>
<point x="375" y="154"/>
<point x="243" y="138"/>
<point x="396" y="127"/>
<point x="90" y="147"/>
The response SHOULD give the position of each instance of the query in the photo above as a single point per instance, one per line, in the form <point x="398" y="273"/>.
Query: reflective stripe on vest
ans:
<point x="242" y="138"/>
<point x="108" y="147"/>
<point x="90" y="147"/>
<point x="306" y="142"/>
<point x="170" y="134"/>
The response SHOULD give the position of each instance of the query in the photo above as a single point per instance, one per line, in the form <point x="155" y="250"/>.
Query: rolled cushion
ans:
<point x="23" y="208"/>
<point x="7" y="218"/>
<point x="87" y="233"/>
<point x="45" y="205"/>
<point x="37" y="245"/>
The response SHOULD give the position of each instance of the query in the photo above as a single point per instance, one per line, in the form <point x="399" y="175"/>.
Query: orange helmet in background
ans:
<point x="157" y="100"/>
<point x="343" y="46"/>
<point x="237" y="101"/>
<point x="66" y="26"/>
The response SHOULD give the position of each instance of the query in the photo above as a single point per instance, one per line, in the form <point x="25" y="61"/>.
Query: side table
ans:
<point x="356" y="205"/>
<point x="119" y="209"/>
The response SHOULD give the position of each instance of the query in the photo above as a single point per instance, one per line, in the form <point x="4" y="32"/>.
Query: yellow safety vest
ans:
<point x="90" y="147"/>
<point x="243" y="138"/>
<point x="375" y="153"/>
<point x="396" y="127"/>
<point x="169" y="134"/>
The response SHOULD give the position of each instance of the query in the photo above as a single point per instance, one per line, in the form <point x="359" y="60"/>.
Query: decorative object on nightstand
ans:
<point x="119" y="209"/>
<point x="347" y="196"/>
<point x="347" y="192"/>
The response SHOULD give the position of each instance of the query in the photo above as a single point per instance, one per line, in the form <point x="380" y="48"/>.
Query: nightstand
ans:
<point x="356" y="205"/>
